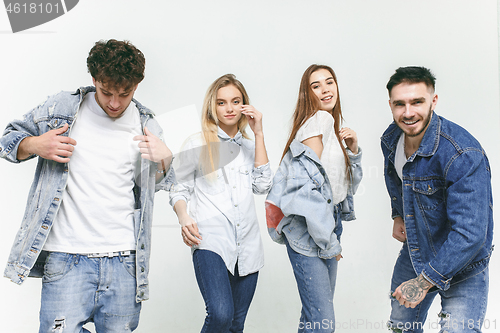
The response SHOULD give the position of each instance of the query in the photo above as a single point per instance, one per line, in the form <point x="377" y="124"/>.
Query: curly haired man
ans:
<point x="87" y="226"/>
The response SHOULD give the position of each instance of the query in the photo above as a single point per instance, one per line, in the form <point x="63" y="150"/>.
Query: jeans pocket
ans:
<point x="129" y="264"/>
<point x="57" y="265"/>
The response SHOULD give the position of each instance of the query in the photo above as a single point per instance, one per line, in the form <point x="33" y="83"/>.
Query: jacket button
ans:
<point x="142" y="246"/>
<point x="329" y="201"/>
<point x="142" y="269"/>
<point x="394" y="198"/>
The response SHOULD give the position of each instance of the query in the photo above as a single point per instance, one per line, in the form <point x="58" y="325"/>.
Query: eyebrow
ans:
<point x="330" y="78"/>
<point x="419" y="99"/>
<point x="120" y="93"/>
<point x="222" y="99"/>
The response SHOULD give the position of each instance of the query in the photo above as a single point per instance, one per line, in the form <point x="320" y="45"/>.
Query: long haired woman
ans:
<point x="219" y="171"/>
<point x="312" y="192"/>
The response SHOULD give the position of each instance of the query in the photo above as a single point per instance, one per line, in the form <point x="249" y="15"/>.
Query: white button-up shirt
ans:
<point x="223" y="207"/>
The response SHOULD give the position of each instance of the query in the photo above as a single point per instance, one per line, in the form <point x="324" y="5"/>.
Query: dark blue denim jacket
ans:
<point x="445" y="199"/>
<point x="302" y="194"/>
<point x="26" y="257"/>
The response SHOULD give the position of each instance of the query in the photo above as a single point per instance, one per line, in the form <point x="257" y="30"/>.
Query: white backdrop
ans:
<point x="268" y="45"/>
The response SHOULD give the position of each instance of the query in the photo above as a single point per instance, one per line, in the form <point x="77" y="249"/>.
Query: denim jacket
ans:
<point x="26" y="257"/>
<point x="445" y="200"/>
<point x="300" y="203"/>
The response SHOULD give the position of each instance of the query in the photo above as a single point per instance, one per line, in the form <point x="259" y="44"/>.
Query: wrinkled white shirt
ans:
<point x="224" y="208"/>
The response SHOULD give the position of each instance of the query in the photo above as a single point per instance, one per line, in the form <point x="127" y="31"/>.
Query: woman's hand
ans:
<point x="254" y="118"/>
<point x="189" y="231"/>
<point x="350" y="138"/>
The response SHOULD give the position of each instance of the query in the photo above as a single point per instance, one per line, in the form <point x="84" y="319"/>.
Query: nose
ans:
<point x="114" y="102"/>
<point x="408" y="113"/>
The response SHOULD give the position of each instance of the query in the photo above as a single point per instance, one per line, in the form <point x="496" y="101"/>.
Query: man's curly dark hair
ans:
<point x="116" y="64"/>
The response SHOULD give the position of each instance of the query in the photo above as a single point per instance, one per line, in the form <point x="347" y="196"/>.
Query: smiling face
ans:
<point x="229" y="102"/>
<point x="113" y="102"/>
<point x="324" y="87"/>
<point x="412" y="105"/>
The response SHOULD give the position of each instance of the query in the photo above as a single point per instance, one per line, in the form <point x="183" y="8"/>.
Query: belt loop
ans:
<point x="77" y="259"/>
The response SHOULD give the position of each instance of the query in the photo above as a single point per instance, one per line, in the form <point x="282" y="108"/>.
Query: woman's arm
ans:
<point x="254" y="118"/>
<point x="315" y="143"/>
<point x="189" y="231"/>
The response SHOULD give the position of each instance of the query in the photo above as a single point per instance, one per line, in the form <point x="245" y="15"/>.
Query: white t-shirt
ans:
<point x="400" y="157"/>
<point x="97" y="208"/>
<point x="332" y="157"/>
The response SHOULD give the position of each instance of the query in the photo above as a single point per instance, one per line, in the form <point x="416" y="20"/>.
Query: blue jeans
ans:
<point x="316" y="279"/>
<point x="463" y="305"/>
<point x="77" y="290"/>
<point x="227" y="297"/>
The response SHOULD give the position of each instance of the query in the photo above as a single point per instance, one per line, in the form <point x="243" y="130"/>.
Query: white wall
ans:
<point x="267" y="44"/>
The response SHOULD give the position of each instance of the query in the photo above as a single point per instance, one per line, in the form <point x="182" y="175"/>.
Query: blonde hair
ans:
<point x="209" y="159"/>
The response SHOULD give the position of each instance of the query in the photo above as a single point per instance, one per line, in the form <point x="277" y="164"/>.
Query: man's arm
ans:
<point x="50" y="145"/>
<point x="155" y="150"/>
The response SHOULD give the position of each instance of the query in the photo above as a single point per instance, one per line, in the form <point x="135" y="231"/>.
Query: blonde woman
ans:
<point x="218" y="172"/>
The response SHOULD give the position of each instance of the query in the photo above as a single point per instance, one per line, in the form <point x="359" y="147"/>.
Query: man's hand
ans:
<point x="152" y="148"/>
<point x="399" y="230"/>
<point x="50" y="146"/>
<point x="412" y="292"/>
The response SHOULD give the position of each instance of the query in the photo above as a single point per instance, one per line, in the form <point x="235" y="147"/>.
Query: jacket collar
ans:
<point x="297" y="148"/>
<point x="82" y="91"/>
<point x="224" y="137"/>
<point x="430" y="140"/>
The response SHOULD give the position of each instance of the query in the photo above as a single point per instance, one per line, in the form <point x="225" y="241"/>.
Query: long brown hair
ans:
<point x="209" y="121"/>
<point x="307" y="106"/>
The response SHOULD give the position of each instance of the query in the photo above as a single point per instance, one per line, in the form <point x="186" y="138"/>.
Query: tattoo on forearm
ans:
<point x="413" y="290"/>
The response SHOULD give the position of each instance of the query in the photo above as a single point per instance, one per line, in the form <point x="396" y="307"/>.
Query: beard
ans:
<point x="426" y="122"/>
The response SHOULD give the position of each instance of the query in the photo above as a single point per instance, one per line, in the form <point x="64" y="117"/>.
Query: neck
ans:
<point x="412" y="144"/>
<point x="231" y="131"/>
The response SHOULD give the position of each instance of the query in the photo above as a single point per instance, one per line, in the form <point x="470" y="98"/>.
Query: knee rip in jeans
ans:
<point x="445" y="317"/>
<point x="390" y="326"/>
<point x="59" y="325"/>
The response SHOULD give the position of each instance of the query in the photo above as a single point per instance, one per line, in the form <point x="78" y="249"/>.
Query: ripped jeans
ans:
<point x="463" y="305"/>
<point x="77" y="289"/>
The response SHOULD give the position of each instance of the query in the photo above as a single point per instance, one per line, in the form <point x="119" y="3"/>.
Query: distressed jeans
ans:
<point x="463" y="305"/>
<point x="316" y="280"/>
<point x="227" y="297"/>
<point x="77" y="289"/>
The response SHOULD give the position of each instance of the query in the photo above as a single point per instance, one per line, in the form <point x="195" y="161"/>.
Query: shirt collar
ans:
<point x="224" y="137"/>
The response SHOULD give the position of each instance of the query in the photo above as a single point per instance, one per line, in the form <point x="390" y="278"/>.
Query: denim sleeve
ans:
<point x="467" y="209"/>
<point x="305" y="200"/>
<point x="14" y="133"/>
<point x="357" y="170"/>
<point x="168" y="182"/>
<point x="262" y="179"/>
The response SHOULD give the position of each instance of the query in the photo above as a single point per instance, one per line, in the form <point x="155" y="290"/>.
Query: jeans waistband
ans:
<point x="109" y="254"/>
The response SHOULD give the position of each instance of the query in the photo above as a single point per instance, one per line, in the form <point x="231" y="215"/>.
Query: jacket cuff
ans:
<point x="355" y="158"/>
<point x="434" y="277"/>
<point x="334" y="251"/>
<point x="9" y="152"/>
<point x="168" y="182"/>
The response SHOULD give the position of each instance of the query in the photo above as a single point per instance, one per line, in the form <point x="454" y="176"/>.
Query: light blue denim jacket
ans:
<point x="26" y="257"/>
<point x="301" y="190"/>
<point x="445" y="200"/>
